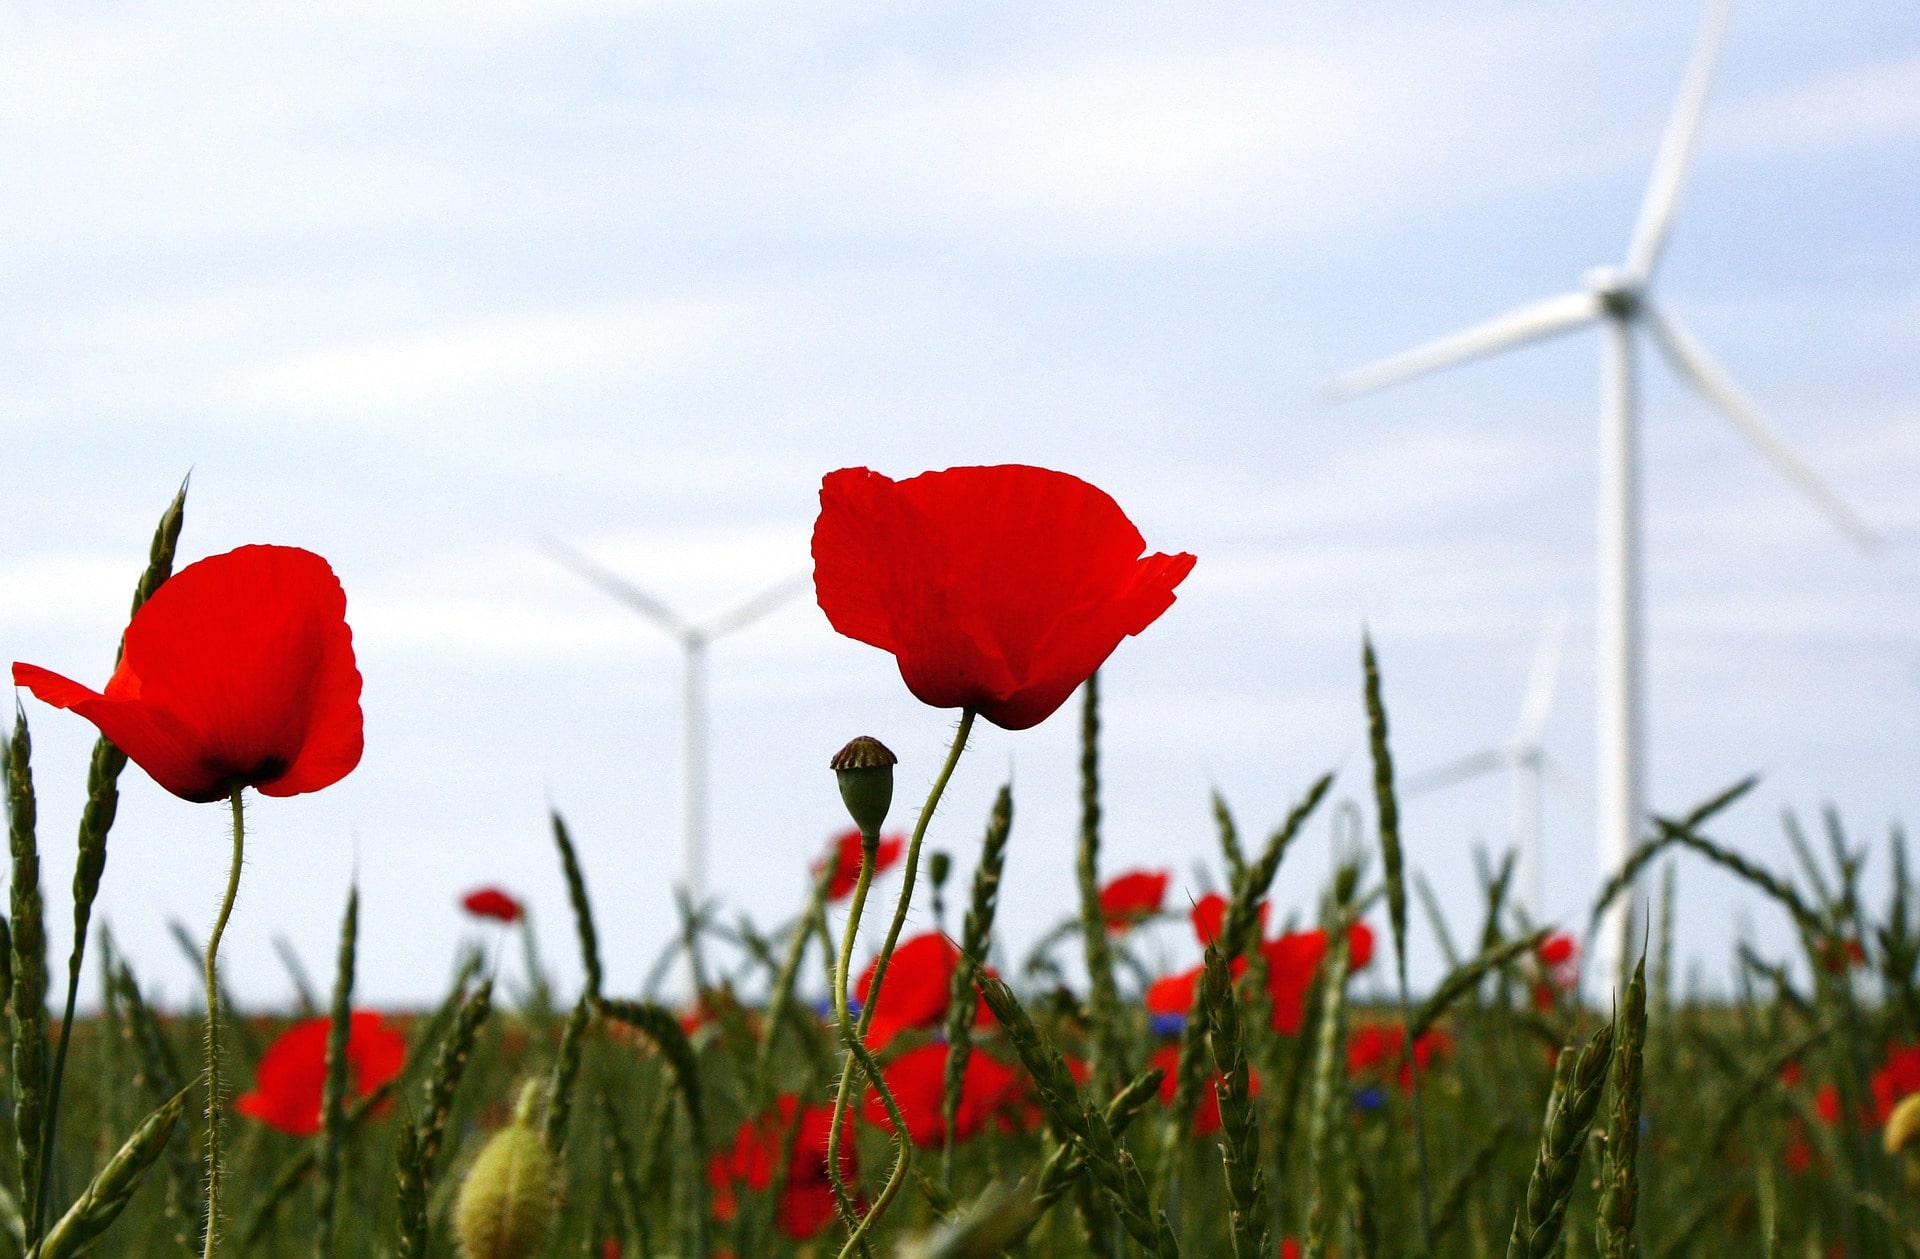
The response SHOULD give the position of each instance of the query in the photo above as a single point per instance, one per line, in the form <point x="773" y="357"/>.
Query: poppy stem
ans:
<point x="213" y="1029"/>
<point x="903" y="1157"/>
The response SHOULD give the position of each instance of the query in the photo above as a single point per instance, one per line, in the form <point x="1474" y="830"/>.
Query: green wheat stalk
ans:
<point x="657" y="1024"/>
<point x="582" y="907"/>
<point x="1239" y="1128"/>
<point x="29" y="1022"/>
<point x="1454" y="1201"/>
<point x="1111" y="1167"/>
<point x="1326" y="1101"/>
<point x="566" y="1071"/>
<point x="419" y="1142"/>
<point x="1579" y="1082"/>
<point x="975" y="934"/>
<point x="1620" y="1179"/>
<point x="1394" y="861"/>
<point x="108" y="1192"/>
<point x="96" y="819"/>
<point x="1103" y="996"/>
<point x="333" y="1113"/>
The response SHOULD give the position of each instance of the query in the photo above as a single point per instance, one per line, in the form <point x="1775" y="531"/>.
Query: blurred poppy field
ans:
<point x="884" y="1072"/>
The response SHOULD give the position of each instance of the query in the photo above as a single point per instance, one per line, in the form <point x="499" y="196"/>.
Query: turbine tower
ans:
<point x="694" y="636"/>
<point x="1618" y="299"/>
<point x="1525" y="757"/>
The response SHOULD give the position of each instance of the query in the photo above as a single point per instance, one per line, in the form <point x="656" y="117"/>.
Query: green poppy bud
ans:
<point x="939" y="866"/>
<point x="865" y="770"/>
<point x="507" y="1201"/>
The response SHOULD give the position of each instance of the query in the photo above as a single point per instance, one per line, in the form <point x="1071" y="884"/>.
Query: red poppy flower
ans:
<point x="1209" y="914"/>
<point x="1897" y="1077"/>
<point x="1289" y="1248"/>
<point x="1826" y="1104"/>
<point x="996" y="589"/>
<point x="1206" y="1111"/>
<point x="491" y="902"/>
<point x="919" y="979"/>
<point x="293" y="1071"/>
<point x="1557" y="950"/>
<point x="1172" y="994"/>
<point x="1129" y="897"/>
<point x="1798" y="1156"/>
<point x="1790" y="1075"/>
<point x="1292" y="962"/>
<point x="1842" y="954"/>
<point x="918" y="1081"/>
<point x="806" y="1199"/>
<point x="844" y="851"/>
<point x="238" y="672"/>
<point x="1376" y="1045"/>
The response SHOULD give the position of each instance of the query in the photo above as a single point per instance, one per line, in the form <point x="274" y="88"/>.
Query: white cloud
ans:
<point x="1857" y="106"/>
<point x="69" y="589"/>
<point x="376" y="379"/>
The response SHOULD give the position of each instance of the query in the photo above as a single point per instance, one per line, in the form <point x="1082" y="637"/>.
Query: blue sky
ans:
<point x="413" y="284"/>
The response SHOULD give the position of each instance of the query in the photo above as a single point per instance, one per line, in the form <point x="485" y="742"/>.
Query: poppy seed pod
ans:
<point x="865" y="770"/>
<point x="507" y="1201"/>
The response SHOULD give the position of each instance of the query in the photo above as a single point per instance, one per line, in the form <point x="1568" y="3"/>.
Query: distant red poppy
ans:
<point x="1841" y="954"/>
<point x="492" y="902"/>
<point x="1206" y="1111"/>
<point x="238" y="672"/>
<point x="806" y="1199"/>
<point x="1172" y="994"/>
<point x="915" y="992"/>
<point x="1292" y="962"/>
<point x="1376" y="1045"/>
<point x="999" y="589"/>
<point x="293" y="1071"/>
<point x="1558" y="950"/>
<point x="1826" y="1105"/>
<point x="844" y="851"/>
<point x="1898" y="1076"/>
<point x="1289" y="1248"/>
<point x="1209" y="915"/>
<point x="918" y="1081"/>
<point x="1129" y="897"/>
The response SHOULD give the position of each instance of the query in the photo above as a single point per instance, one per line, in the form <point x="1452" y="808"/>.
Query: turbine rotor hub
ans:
<point x="1619" y="292"/>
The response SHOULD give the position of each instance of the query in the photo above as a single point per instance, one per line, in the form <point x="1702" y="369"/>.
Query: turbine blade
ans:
<point x="752" y="608"/>
<point x="1662" y="200"/>
<point x="1465" y="769"/>
<point x="1543" y="680"/>
<point x="619" y="587"/>
<point x="1571" y="788"/>
<point x="1516" y="327"/>
<point x="1691" y="360"/>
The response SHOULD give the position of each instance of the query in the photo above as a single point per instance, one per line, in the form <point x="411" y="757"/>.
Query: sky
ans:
<point x="416" y="284"/>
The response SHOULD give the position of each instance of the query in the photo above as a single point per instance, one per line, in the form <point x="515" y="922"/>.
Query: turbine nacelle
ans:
<point x="1619" y="292"/>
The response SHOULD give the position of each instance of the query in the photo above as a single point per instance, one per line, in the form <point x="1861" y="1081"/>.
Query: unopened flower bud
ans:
<point x="865" y="770"/>
<point x="1903" y="1125"/>
<point x="939" y="866"/>
<point x="507" y="1201"/>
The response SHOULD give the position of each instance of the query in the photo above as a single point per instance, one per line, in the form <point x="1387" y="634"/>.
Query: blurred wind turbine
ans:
<point x="694" y="636"/>
<point x="1617" y="298"/>
<point x="1524" y="755"/>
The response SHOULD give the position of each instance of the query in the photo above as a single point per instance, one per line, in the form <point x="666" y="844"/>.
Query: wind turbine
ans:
<point x="1617" y="299"/>
<point x="694" y="636"/>
<point x="1525" y="757"/>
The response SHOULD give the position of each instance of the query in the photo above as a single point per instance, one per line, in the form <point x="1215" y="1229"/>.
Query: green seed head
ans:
<point x="865" y="770"/>
<point x="507" y="1201"/>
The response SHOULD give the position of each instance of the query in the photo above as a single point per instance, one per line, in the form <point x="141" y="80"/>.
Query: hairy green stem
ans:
<point x="213" y="1029"/>
<point x="903" y="1157"/>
